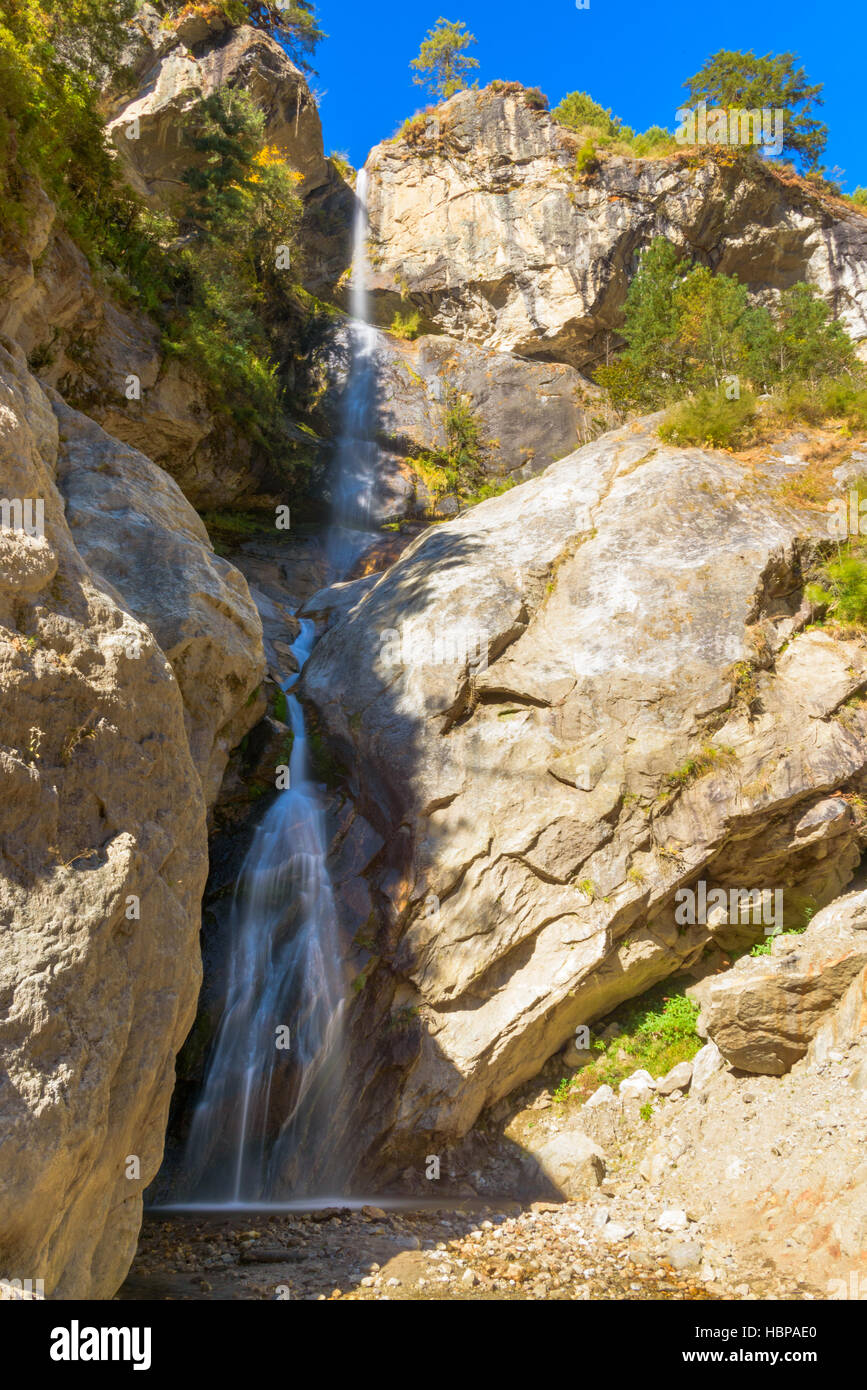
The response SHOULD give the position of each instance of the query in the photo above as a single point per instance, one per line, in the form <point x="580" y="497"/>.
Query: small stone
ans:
<point x="639" y="1086"/>
<point x="373" y="1213"/>
<point x="469" y="1278"/>
<point x="672" y="1219"/>
<point x="615" y="1232"/>
<point x="706" y="1062"/>
<point x="685" y="1255"/>
<point x="678" y="1079"/>
<point x="601" y="1096"/>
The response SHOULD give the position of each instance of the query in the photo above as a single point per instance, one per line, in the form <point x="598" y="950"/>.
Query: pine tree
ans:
<point x="745" y="82"/>
<point x="442" y="60"/>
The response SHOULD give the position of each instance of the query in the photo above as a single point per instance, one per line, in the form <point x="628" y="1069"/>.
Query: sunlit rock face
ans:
<point x="478" y="220"/>
<point x="129" y="654"/>
<point x="541" y="707"/>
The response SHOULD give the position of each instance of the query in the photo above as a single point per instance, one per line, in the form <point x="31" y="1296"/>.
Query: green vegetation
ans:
<point x="596" y="126"/>
<point x="709" y="419"/>
<point x="586" y="161"/>
<point x="655" y="1032"/>
<point x="458" y="466"/>
<point x="53" y="57"/>
<point x="692" y="768"/>
<point x="292" y="23"/>
<point x="744" y="81"/>
<point x="495" y="488"/>
<point x="340" y="160"/>
<point x="841" y="398"/>
<point x="859" y="197"/>
<point x="215" y="270"/>
<point x="406" y="325"/>
<point x="692" y="334"/>
<point x="763" y="948"/>
<point x="237" y="219"/>
<point x="839" y="585"/>
<point x="442" y="62"/>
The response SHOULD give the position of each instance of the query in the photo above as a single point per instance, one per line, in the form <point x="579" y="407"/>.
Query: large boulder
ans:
<point x="478" y="220"/>
<point x="541" y="707"/>
<point x="571" y="1161"/>
<point x="103" y="849"/>
<point x="764" y="1014"/>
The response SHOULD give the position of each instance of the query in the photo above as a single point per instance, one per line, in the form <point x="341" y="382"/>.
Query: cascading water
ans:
<point x="262" y="1102"/>
<point x="284" y="975"/>
<point x="357" y="454"/>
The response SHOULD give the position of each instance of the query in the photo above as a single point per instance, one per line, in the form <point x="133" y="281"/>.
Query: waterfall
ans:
<point x="279" y="1037"/>
<point x="262" y="1123"/>
<point x="357" y="454"/>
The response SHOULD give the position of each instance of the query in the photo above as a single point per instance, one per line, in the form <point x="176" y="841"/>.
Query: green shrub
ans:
<point x="586" y="161"/>
<point x="691" y="769"/>
<point x="340" y="160"/>
<point x="655" y="1032"/>
<point x="841" y="585"/>
<point x="578" y="110"/>
<point x="840" y="398"/>
<point x="495" y="488"/>
<point x="710" y="420"/>
<point x="580" y="113"/>
<point x="406" y="325"/>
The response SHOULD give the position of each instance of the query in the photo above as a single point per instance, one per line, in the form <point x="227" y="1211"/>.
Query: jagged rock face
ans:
<point x="83" y="343"/>
<point x="103" y="845"/>
<point x="133" y="526"/>
<point x="481" y="224"/>
<point x="540" y="813"/>
<point x="147" y="127"/>
<point x="79" y="341"/>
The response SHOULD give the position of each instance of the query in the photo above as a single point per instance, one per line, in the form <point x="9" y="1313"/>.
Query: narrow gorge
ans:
<point x="433" y="645"/>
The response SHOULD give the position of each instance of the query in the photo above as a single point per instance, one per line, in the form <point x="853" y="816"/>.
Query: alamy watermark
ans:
<point x="414" y="645"/>
<point x="23" y="514"/>
<point x="731" y="126"/>
<point x="848" y="516"/>
<point x="729" y="906"/>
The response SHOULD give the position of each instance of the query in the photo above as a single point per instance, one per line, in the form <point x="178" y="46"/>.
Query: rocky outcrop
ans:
<point x="102" y="836"/>
<point x="478" y="220"/>
<point x="173" y="70"/>
<point x="542" y="707"/>
<point x="107" y="358"/>
<point x="133" y="526"/>
<point x="109" y="361"/>
<point x="764" y="1014"/>
<point x="528" y="413"/>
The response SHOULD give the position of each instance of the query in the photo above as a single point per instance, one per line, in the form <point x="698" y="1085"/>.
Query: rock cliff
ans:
<point x="130" y="659"/>
<point x="478" y="220"/>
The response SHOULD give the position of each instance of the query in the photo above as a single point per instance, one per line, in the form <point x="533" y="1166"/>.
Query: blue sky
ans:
<point x="631" y="55"/>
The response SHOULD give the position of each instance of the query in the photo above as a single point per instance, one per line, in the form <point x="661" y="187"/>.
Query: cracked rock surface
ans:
<point x="539" y="707"/>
